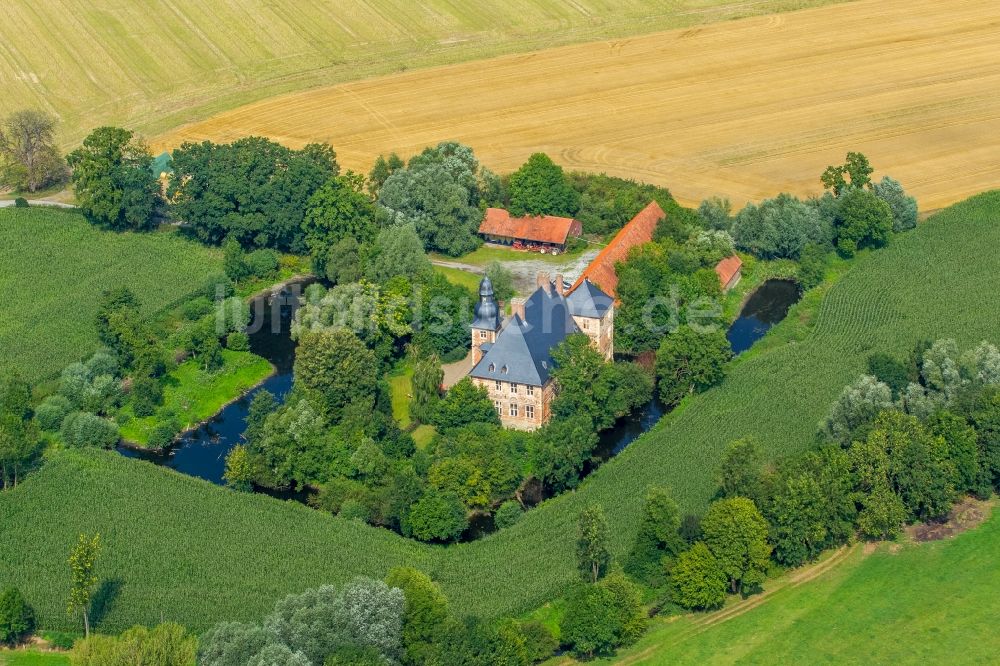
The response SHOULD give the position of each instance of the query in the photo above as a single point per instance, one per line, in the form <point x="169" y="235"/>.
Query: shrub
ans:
<point x="508" y="514"/>
<point x="163" y="435"/>
<point x="52" y="411"/>
<point x="602" y="617"/>
<point x="697" y="580"/>
<point x="165" y="645"/>
<point x="104" y="362"/>
<point x="17" y="620"/>
<point x="196" y="308"/>
<point x="263" y="263"/>
<point x="238" y="341"/>
<point x="81" y="429"/>
<point x="539" y="641"/>
<point x="147" y="393"/>
<point x="812" y="265"/>
<point x="20" y="202"/>
<point x="217" y="287"/>
<point x="437" y="516"/>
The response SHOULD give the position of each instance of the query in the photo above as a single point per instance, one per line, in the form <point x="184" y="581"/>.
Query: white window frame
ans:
<point x="513" y="409"/>
<point x="499" y="385"/>
<point x="531" y="390"/>
<point x="499" y="407"/>
<point x="513" y="388"/>
<point x="529" y="411"/>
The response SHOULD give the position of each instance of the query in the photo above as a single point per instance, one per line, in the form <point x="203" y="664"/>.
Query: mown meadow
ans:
<point x="885" y="607"/>
<point x="180" y="549"/>
<point x="54" y="266"/>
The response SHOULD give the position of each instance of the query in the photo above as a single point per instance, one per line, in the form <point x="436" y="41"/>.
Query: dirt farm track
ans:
<point x="744" y="108"/>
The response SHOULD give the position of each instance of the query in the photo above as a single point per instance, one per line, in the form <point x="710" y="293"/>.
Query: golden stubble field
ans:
<point x="744" y="109"/>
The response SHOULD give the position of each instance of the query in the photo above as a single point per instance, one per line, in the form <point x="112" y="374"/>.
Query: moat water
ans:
<point x="765" y="308"/>
<point x="202" y="452"/>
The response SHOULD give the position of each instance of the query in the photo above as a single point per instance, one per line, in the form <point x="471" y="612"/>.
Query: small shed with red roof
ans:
<point x="534" y="231"/>
<point x="729" y="270"/>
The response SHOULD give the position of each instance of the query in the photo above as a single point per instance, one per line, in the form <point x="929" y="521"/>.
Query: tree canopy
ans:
<point x="253" y="189"/>
<point x="29" y="159"/>
<point x="114" y="184"/>
<point x="539" y="187"/>
<point x="439" y="193"/>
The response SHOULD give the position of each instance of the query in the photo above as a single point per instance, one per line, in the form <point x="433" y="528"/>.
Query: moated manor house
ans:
<point x="513" y="359"/>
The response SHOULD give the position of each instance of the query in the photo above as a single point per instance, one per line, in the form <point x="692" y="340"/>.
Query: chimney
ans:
<point x="517" y="307"/>
<point x="560" y="285"/>
<point x="542" y="281"/>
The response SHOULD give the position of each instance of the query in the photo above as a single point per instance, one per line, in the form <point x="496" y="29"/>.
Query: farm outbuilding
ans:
<point x="729" y="270"/>
<point x="535" y="232"/>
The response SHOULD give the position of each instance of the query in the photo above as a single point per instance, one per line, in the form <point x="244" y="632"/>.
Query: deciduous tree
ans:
<point x="29" y="159"/>
<point x="593" y="544"/>
<point x="697" y="581"/>
<point x="736" y="533"/>
<point x="539" y="187"/>
<point x="113" y="181"/>
<point x="689" y="361"/>
<point x="83" y="581"/>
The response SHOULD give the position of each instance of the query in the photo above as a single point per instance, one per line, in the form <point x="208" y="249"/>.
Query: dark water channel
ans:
<point x="202" y="452"/>
<point x="765" y="308"/>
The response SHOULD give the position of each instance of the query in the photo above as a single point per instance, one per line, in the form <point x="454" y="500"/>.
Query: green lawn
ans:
<point x="32" y="658"/>
<point x="423" y="435"/>
<point x="53" y="268"/>
<point x="195" y="395"/>
<point x="931" y="603"/>
<point x="401" y="392"/>
<point x="486" y="253"/>
<point x="460" y="277"/>
<point x="185" y="550"/>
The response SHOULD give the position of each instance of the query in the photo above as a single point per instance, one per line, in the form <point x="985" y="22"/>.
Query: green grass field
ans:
<point x="194" y="395"/>
<point x="931" y="603"/>
<point x="33" y="658"/>
<point x="461" y="278"/>
<point x="184" y="550"/>
<point x="158" y="66"/>
<point x="53" y="268"/>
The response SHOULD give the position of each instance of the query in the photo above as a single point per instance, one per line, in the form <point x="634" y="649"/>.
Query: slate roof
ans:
<point x="587" y="300"/>
<point x="486" y="311"/>
<point x="537" y="228"/>
<point x="638" y="231"/>
<point x="522" y="352"/>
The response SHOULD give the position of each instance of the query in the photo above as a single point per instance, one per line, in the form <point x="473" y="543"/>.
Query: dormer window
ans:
<point x="493" y="367"/>
<point x="503" y="370"/>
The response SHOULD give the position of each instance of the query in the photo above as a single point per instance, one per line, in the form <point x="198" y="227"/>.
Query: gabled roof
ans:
<point x="589" y="301"/>
<point x="638" y="231"/>
<point x="522" y="352"/>
<point x="538" y="228"/>
<point x="728" y="268"/>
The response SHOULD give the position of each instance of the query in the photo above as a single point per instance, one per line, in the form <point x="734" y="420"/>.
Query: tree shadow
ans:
<point x="103" y="599"/>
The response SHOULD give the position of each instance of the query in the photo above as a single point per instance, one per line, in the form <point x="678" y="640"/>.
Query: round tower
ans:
<point x="487" y="322"/>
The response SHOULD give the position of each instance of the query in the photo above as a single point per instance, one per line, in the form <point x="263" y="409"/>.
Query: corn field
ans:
<point x="53" y="268"/>
<point x="180" y="549"/>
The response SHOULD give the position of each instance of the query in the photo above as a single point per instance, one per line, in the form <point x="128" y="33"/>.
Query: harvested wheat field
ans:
<point x="156" y="65"/>
<point x="914" y="84"/>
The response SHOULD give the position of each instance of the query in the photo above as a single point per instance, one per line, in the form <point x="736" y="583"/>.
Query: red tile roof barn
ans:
<point x="638" y="231"/>
<point x="537" y="228"/>
<point x="727" y="269"/>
